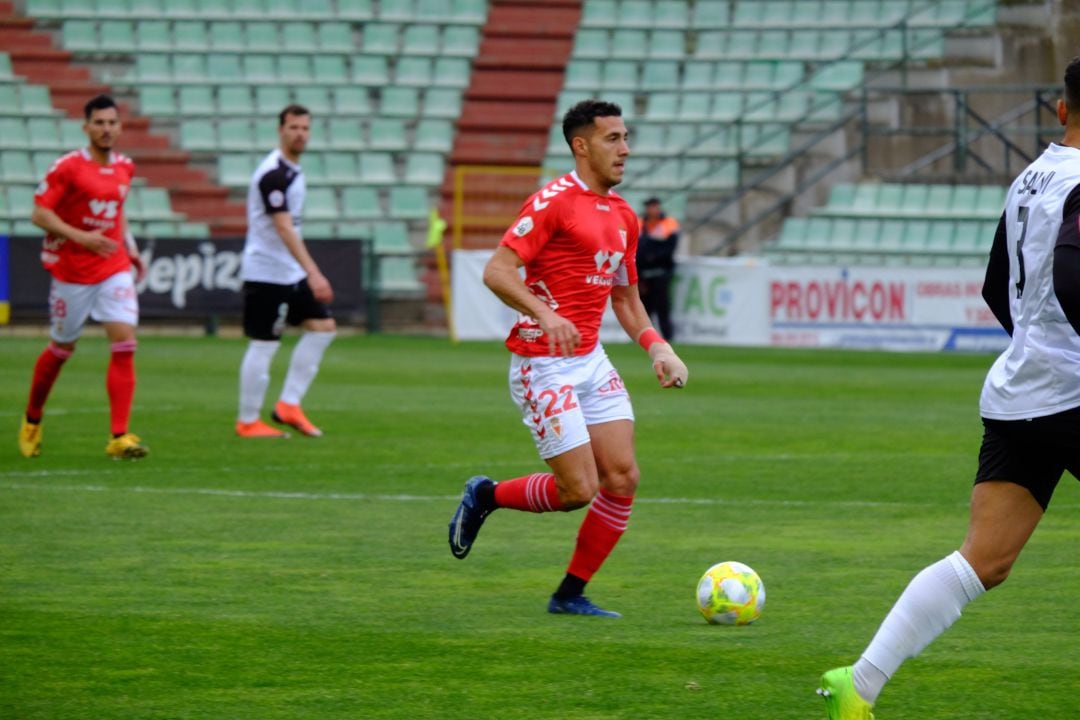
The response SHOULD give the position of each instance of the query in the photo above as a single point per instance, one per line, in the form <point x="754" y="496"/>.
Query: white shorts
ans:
<point x="561" y="397"/>
<point x="111" y="300"/>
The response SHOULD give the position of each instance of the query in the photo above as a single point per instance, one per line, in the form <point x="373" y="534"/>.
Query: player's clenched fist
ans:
<point x="563" y="335"/>
<point x="670" y="370"/>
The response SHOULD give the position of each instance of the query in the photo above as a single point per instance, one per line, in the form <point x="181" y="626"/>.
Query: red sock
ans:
<point x="533" y="493"/>
<point x="602" y="527"/>
<point x="46" y="370"/>
<point x="120" y="382"/>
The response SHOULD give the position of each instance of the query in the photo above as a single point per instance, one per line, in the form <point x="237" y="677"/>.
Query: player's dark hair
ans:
<point x="98" y="102"/>
<point x="584" y="114"/>
<point x="1072" y="86"/>
<point x="293" y="109"/>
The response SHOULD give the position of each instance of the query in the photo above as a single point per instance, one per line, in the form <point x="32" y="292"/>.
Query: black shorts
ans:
<point x="268" y="307"/>
<point x="1031" y="453"/>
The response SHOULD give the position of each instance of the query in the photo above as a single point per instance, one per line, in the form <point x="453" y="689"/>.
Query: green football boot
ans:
<point x="842" y="701"/>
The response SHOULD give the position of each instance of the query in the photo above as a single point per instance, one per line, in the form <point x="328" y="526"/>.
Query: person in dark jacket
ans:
<point x="657" y="240"/>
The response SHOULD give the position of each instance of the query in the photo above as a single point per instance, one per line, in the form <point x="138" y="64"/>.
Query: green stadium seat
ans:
<point x="841" y="76"/>
<point x="451" y="72"/>
<point x="42" y="161"/>
<point x="157" y="100"/>
<point x="354" y="230"/>
<point x="890" y="199"/>
<point x="370" y="70"/>
<point x="460" y="40"/>
<point x="335" y="37"/>
<point x="114" y="8"/>
<point x="446" y="103"/>
<point x="285" y="9"/>
<point x="841" y="198"/>
<point x="664" y="106"/>
<point x="153" y="68"/>
<point x="227" y="35"/>
<point x="181" y="9"/>
<point x="20" y="201"/>
<point x="190" y="35"/>
<point x="990" y="201"/>
<point x="939" y="201"/>
<point x="620" y="75"/>
<point x="891" y="236"/>
<point x="659" y="75"/>
<point x="233" y="134"/>
<point x="420" y="40"/>
<point x="387" y="134"/>
<point x="788" y="75"/>
<point x="742" y="45"/>
<point x="224" y="68"/>
<point x="697" y="75"/>
<point x="710" y="14"/>
<point x="300" y="37"/>
<point x="155" y="203"/>
<point x="345" y="134"/>
<point x="940" y="238"/>
<point x="413" y="71"/>
<point x="44" y="9"/>
<point x="196" y="100"/>
<point x="914" y="197"/>
<point x="398" y="274"/>
<point x="711" y="45"/>
<point x="42" y="133"/>
<point x="262" y="37"/>
<point x="591" y="44"/>
<point x="198" y="135"/>
<point x="320" y="204"/>
<point x="635" y="14"/>
<point x="361" y="202"/>
<point x="399" y="102"/>
<point x="398" y="10"/>
<point x="160" y="229"/>
<point x="867" y="233"/>
<point x="766" y="140"/>
<point x="193" y="231"/>
<point x="439" y="11"/>
<point x="964" y="200"/>
<point x="380" y="39"/>
<point x="341" y="167"/>
<point x="793" y="234"/>
<point x="147" y="8"/>
<point x="234" y="100"/>
<point x="329" y="69"/>
<point x="434" y="136"/>
<point x="355" y="10"/>
<point x="667" y="45"/>
<point x="153" y="35"/>
<point x="266" y="133"/>
<point x="472" y="12"/>
<point x="15" y="167"/>
<point x="296" y="69"/>
<point x="409" y="203"/>
<point x="319" y="230"/>
<point x="235" y="169"/>
<point x="259" y="68"/>
<point x="628" y="44"/>
<point x="424" y="169"/>
<point x="377" y="168"/>
<point x="823" y="107"/>
<point x="694" y="107"/>
<point x="671" y="14"/>
<point x="583" y="74"/>
<point x="314" y="98"/>
<point x="391" y="237"/>
<point x="726" y="107"/>
<point x="968" y="237"/>
<point x="188" y="67"/>
<point x="712" y="140"/>
<point x="271" y="99"/>
<point x="6" y="72"/>
<point x="599" y="14"/>
<point x="645" y="139"/>
<point x="352" y="101"/>
<point x="79" y="35"/>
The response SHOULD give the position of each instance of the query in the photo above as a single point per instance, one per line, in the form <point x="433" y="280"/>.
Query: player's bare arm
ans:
<point x="93" y="240"/>
<point x="132" y="250"/>
<point x="502" y="278"/>
<point x="320" y="286"/>
<point x="630" y="312"/>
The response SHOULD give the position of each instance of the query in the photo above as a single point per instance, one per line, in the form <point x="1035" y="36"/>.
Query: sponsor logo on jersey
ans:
<point x="603" y="208"/>
<point x="276" y="198"/>
<point x="608" y="262"/>
<point x="622" y="236"/>
<point x="523" y="226"/>
<point x="550" y="192"/>
<point x="105" y="208"/>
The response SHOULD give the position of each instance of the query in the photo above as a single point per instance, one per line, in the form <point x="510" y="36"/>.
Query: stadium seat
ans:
<point x="79" y="35"/>
<point x="387" y="134"/>
<point x="270" y="99"/>
<point x="659" y="75"/>
<point x="583" y="75"/>
<point x="295" y="69"/>
<point x="408" y="203"/>
<point x="335" y="37"/>
<point x="451" y="72"/>
<point x="433" y="136"/>
<point x="445" y="103"/>
<point x="227" y="35"/>
<point x="157" y="100"/>
<point x="345" y="134"/>
<point x="20" y="200"/>
<point x="399" y="102"/>
<point x="190" y="35"/>
<point x="391" y="237"/>
<point x="472" y="12"/>
<point x="42" y="133"/>
<point x="355" y="9"/>
<point x="199" y="135"/>
<point x="341" y="167"/>
<point x="300" y="37"/>
<point x="320" y="204"/>
<point x="424" y="169"/>
<point x="361" y="202"/>
<point x="599" y="14"/>
<point x="666" y="45"/>
<point x="671" y="14"/>
<point x="330" y="69"/>
<point x="233" y="135"/>
<point x="15" y="167"/>
<point x="380" y="39"/>
<point x="415" y="71"/>
<point x="370" y="70"/>
<point x="377" y="168"/>
<point x="314" y="98"/>
<point x="234" y="100"/>
<point x="460" y="40"/>
<point x="154" y="203"/>
<point x="619" y="75"/>
<point x="259" y="68"/>
<point x="628" y="44"/>
<point x="420" y="40"/>
<point x="352" y="101"/>
<point x="591" y="44"/>
<point x="235" y="170"/>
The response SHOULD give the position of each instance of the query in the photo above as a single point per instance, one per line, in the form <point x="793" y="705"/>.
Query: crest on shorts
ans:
<point x="524" y="225"/>
<point x="556" y="426"/>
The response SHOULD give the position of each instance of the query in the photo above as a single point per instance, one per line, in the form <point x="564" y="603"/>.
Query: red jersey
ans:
<point x="88" y="196"/>
<point x="576" y="246"/>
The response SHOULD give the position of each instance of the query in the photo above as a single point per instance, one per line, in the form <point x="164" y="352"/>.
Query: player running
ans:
<point x="90" y="254"/>
<point x="282" y="285"/>
<point x="1030" y="407"/>
<point x="577" y="241"/>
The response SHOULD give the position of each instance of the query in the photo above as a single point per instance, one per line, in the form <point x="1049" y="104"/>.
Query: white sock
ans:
<point x="304" y="365"/>
<point x="930" y="604"/>
<point x="255" y="377"/>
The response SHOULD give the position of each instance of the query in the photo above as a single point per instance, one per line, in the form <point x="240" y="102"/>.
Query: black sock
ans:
<point x="572" y="586"/>
<point x="33" y="421"/>
<point x="485" y="495"/>
<point x="116" y="435"/>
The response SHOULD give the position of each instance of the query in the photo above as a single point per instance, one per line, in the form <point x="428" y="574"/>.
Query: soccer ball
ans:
<point x="730" y="593"/>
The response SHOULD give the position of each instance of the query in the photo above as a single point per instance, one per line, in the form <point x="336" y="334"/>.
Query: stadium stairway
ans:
<point x="35" y="57"/>
<point x="511" y="97"/>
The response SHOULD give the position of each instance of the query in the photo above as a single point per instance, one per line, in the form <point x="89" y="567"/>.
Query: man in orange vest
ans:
<point x="658" y="238"/>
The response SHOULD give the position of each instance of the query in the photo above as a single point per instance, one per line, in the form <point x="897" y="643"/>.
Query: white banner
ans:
<point x="722" y="301"/>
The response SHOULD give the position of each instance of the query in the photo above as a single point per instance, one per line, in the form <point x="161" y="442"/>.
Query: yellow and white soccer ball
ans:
<point x="730" y="593"/>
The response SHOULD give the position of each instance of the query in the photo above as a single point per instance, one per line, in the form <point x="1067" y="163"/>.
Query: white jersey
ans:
<point x="1039" y="373"/>
<point x="277" y="186"/>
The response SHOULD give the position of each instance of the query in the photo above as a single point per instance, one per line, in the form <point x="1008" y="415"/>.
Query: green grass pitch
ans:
<point x="223" y="578"/>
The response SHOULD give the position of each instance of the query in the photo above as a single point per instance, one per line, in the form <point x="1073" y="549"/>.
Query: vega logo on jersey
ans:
<point x="105" y="208"/>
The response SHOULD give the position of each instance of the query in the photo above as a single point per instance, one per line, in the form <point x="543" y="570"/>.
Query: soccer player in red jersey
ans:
<point x="89" y="253"/>
<point x="577" y="241"/>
